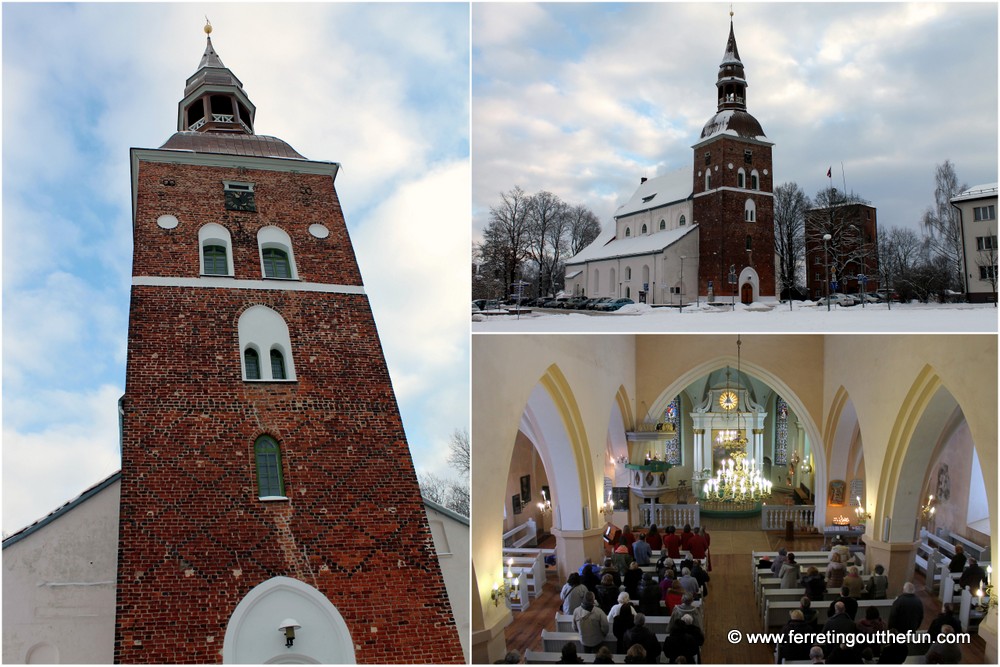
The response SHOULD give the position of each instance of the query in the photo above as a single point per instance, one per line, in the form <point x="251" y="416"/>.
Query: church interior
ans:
<point x="879" y="448"/>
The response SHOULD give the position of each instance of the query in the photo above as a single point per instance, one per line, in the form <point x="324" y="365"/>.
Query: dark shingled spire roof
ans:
<point x="211" y="58"/>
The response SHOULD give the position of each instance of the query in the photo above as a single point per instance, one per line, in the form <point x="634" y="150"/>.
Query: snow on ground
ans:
<point x="757" y="317"/>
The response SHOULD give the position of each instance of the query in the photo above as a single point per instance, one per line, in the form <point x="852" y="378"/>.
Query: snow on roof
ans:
<point x="977" y="192"/>
<point x="606" y="246"/>
<point x="673" y="187"/>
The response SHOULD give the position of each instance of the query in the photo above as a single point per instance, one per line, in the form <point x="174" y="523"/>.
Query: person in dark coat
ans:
<point x="850" y="604"/>
<point x="698" y="572"/>
<point x="590" y="579"/>
<point x="944" y="653"/>
<point x="815" y="584"/>
<point x="607" y="594"/>
<point x="789" y="650"/>
<point x="604" y="656"/>
<point x="946" y="617"/>
<point x="632" y="578"/>
<point x="840" y="622"/>
<point x="649" y="596"/>
<point x="973" y="576"/>
<point x="809" y="615"/>
<point x="957" y="563"/>
<point x="640" y="634"/>
<point x="907" y="612"/>
<point x="684" y="638"/>
<point x="569" y="654"/>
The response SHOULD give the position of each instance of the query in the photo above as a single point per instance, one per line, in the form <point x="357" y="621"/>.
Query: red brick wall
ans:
<point x="720" y="216"/>
<point x="194" y="538"/>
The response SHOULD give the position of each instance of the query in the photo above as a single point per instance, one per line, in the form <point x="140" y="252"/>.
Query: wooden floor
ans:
<point x="729" y="605"/>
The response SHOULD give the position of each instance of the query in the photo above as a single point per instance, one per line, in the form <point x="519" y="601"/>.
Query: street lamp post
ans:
<point x="826" y="253"/>
<point x="683" y="289"/>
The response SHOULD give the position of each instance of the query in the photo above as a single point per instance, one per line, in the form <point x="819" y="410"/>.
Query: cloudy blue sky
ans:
<point x="584" y="99"/>
<point x="381" y="88"/>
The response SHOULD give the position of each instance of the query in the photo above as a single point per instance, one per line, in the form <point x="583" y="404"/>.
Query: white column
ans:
<point x="699" y="455"/>
<point x="758" y="446"/>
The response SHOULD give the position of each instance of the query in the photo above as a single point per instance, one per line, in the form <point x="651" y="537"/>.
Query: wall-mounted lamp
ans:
<point x="928" y="509"/>
<point x="289" y="626"/>
<point x="500" y="592"/>
<point x="608" y="508"/>
<point x="862" y="514"/>
<point x="545" y="507"/>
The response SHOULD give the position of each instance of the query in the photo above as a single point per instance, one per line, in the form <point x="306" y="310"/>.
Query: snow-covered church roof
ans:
<point x="660" y="191"/>
<point x="606" y="246"/>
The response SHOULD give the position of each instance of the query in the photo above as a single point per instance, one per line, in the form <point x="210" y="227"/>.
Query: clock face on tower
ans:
<point x="728" y="400"/>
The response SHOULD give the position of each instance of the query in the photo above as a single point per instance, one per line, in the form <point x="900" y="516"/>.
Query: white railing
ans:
<point x="774" y="517"/>
<point x="195" y="125"/>
<point x="526" y="533"/>
<point x="222" y="118"/>
<point x="246" y="127"/>
<point x="669" y="515"/>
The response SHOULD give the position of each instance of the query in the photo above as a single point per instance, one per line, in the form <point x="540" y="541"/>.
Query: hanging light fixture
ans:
<point x="739" y="480"/>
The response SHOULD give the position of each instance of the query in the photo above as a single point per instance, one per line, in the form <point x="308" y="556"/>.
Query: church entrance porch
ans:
<point x="746" y="294"/>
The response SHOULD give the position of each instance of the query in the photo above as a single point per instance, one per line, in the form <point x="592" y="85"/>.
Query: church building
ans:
<point x="267" y="508"/>
<point x="888" y="443"/>
<point x="704" y="231"/>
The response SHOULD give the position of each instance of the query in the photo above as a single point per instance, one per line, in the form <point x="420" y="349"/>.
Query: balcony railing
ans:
<point x="774" y="517"/>
<point x="669" y="515"/>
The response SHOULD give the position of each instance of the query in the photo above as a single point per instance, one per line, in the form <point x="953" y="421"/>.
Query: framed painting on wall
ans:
<point x="838" y="492"/>
<point x="515" y="501"/>
<point x="526" y="489"/>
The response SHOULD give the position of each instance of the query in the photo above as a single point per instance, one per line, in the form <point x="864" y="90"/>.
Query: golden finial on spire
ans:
<point x="730" y="11"/>
<point x="208" y="26"/>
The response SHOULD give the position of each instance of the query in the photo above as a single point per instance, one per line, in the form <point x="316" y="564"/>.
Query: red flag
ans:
<point x="829" y="172"/>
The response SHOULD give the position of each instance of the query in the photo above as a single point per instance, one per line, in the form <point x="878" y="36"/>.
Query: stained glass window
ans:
<point x="672" y="417"/>
<point x="781" y="433"/>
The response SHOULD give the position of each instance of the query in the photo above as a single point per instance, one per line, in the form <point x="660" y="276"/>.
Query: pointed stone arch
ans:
<point x="253" y="637"/>
<point x="776" y="383"/>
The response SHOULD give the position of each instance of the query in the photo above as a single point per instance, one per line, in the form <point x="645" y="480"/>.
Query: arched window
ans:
<point x="628" y="273"/>
<point x="276" y="257"/>
<point x="216" y="250"/>
<point x="214" y="260"/>
<point x="683" y="221"/>
<point x="268" y="458"/>
<point x="754" y="180"/>
<point x="612" y="285"/>
<point x="278" y="364"/>
<point x="708" y="180"/>
<point x="741" y="178"/>
<point x="644" y="229"/>
<point x="262" y="329"/>
<point x="663" y="225"/>
<point x="628" y="232"/>
<point x="251" y="364"/>
<point x="749" y="243"/>
<point x="276" y="263"/>
<point x="597" y="282"/>
<point x="750" y="211"/>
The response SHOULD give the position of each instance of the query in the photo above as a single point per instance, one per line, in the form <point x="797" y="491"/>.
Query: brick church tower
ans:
<point x="269" y="507"/>
<point x="733" y="204"/>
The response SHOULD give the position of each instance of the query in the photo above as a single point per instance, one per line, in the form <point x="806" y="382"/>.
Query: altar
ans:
<point x="854" y="533"/>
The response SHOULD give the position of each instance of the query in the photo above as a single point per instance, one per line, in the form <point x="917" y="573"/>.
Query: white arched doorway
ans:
<point x="253" y="635"/>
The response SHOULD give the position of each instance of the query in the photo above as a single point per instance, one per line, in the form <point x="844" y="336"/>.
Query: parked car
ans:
<point x="552" y="303"/>
<point x="871" y="298"/>
<point x="480" y="303"/>
<point x="576" y="303"/>
<point x="595" y="304"/>
<point x="492" y="304"/>
<point x="616" y="304"/>
<point x="476" y="308"/>
<point x="842" y="300"/>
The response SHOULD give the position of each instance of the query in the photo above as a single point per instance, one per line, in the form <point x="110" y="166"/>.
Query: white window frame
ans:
<point x="215" y="234"/>
<point x="278" y="239"/>
<point x="264" y="329"/>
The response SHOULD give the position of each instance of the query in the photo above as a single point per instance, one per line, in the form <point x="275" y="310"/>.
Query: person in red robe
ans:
<point x="672" y="543"/>
<point x="697" y="545"/>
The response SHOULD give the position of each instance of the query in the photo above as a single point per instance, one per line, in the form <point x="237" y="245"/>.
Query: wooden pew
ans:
<point x="553" y="657"/>
<point x="777" y="613"/>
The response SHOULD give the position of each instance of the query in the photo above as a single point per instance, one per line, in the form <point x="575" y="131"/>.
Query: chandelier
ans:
<point x="738" y="480"/>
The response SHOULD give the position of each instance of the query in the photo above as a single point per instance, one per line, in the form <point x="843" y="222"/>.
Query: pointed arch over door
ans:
<point x="253" y="637"/>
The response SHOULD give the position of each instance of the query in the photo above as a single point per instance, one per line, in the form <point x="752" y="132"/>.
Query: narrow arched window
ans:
<point x="628" y="232"/>
<point x="276" y="263"/>
<point x="251" y="363"/>
<point x="628" y="273"/>
<point x="268" y="457"/>
<point x="750" y="211"/>
<point x="683" y="221"/>
<point x="754" y="180"/>
<point x="277" y="365"/>
<point x="708" y="180"/>
<point x="215" y="261"/>
<point x="663" y="225"/>
<point x="749" y="243"/>
<point x="741" y="178"/>
<point x="644" y="229"/>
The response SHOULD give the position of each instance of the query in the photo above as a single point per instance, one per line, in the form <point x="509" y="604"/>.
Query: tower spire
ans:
<point x="732" y="82"/>
<point x="214" y="99"/>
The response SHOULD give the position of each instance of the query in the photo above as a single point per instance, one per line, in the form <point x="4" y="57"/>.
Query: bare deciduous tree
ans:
<point x="451" y="493"/>
<point x="942" y="223"/>
<point x="584" y="227"/>
<point x="790" y="206"/>
<point x="505" y="239"/>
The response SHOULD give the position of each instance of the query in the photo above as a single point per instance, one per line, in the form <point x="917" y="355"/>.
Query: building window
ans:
<point x="741" y="178"/>
<point x="683" y="221"/>
<point x="261" y="328"/>
<point x="663" y="225"/>
<point x="216" y="250"/>
<point x="276" y="257"/>
<point x="749" y="243"/>
<point x="239" y="196"/>
<point x="251" y="364"/>
<point x="754" y="180"/>
<point x="275" y="263"/>
<point x="986" y="243"/>
<point x="708" y="157"/>
<point x="644" y="229"/>
<point x="215" y="261"/>
<point x="781" y="432"/>
<point x="672" y="447"/>
<point x="708" y="180"/>
<point x="277" y="365"/>
<point x="985" y="212"/>
<point x="750" y="211"/>
<point x="269" y="479"/>
<point x="988" y="272"/>
<point x="748" y="157"/>
<point x="628" y="232"/>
